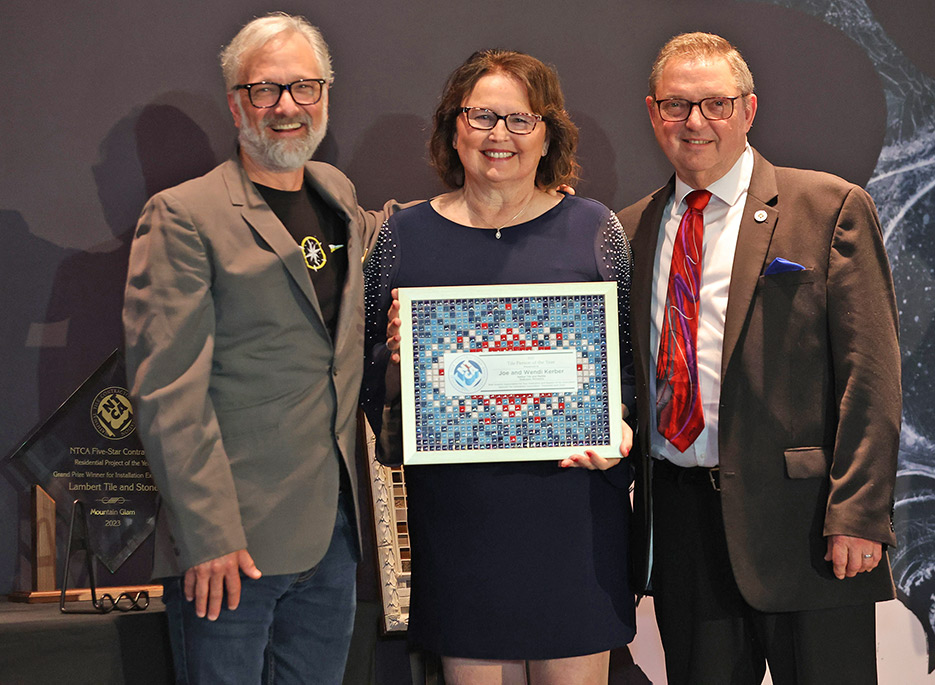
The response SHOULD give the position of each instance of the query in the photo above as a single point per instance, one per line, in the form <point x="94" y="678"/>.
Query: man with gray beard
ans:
<point x="244" y="338"/>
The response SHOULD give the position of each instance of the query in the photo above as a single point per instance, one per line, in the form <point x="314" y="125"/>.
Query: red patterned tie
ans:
<point x="678" y="400"/>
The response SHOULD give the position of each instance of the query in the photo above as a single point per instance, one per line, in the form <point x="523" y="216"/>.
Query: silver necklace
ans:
<point x="510" y="220"/>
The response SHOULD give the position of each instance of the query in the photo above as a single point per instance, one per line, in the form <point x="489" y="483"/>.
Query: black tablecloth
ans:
<point x="39" y="645"/>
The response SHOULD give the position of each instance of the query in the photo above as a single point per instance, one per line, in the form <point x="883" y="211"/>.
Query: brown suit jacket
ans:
<point x="244" y="403"/>
<point x="810" y="404"/>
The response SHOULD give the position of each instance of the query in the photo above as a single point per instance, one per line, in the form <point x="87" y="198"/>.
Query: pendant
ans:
<point x="498" y="234"/>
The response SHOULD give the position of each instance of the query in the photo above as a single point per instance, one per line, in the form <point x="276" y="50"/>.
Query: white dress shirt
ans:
<point x="721" y="228"/>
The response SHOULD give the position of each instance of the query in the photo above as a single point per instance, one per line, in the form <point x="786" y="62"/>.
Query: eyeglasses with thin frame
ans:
<point x="265" y="94"/>
<point x="712" y="109"/>
<point x="520" y="123"/>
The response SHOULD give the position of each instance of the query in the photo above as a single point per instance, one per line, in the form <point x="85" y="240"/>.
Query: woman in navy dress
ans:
<point x="516" y="567"/>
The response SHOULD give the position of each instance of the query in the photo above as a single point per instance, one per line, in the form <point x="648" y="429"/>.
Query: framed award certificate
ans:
<point x="509" y="372"/>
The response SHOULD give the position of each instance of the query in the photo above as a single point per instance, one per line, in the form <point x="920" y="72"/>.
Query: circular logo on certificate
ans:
<point x="468" y="373"/>
<point x="112" y="414"/>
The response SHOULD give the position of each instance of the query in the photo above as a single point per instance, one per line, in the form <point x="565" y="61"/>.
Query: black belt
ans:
<point x="694" y="475"/>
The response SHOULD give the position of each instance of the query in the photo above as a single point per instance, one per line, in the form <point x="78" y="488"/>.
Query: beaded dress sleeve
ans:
<point x="380" y="394"/>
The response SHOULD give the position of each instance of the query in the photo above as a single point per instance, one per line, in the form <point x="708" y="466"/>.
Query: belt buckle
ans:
<point x="714" y="475"/>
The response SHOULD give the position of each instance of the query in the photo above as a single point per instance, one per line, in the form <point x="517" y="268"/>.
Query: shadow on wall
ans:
<point x="145" y="152"/>
<point x="597" y="158"/>
<point x="24" y="255"/>
<point x="27" y="269"/>
<point x="150" y="149"/>
<point x="142" y="154"/>
<point x="391" y="161"/>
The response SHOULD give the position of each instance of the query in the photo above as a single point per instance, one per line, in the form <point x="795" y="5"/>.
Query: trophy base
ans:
<point x="81" y="594"/>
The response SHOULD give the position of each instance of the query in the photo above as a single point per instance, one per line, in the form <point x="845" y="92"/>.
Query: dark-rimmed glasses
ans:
<point x="712" y="109"/>
<point x="520" y="123"/>
<point x="265" y="94"/>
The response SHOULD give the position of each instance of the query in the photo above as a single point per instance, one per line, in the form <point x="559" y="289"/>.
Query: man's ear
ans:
<point x="232" y="105"/>
<point x="749" y="109"/>
<point x="651" y="108"/>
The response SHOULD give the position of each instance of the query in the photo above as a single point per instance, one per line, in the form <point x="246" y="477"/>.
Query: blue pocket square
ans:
<point x="781" y="266"/>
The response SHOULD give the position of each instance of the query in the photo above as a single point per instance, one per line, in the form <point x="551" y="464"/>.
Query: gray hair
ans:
<point x="691" y="46"/>
<point x="257" y="33"/>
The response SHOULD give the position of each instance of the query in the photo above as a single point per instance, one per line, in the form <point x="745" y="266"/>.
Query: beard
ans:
<point x="280" y="155"/>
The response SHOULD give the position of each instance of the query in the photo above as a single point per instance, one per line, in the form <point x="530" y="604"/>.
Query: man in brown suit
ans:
<point x="763" y="539"/>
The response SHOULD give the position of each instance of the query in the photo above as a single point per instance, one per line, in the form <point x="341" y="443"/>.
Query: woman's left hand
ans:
<point x="595" y="462"/>
<point x="392" y="327"/>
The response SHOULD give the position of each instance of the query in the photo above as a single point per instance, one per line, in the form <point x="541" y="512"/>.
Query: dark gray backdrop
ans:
<point x="106" y="103"/>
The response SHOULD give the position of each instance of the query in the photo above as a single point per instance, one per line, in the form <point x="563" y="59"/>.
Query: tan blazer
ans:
<point x="810" y="400"/>
<point x="243" y="401"/>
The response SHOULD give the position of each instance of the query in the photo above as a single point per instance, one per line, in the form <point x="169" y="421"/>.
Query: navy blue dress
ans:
<point x="510" y="560"/>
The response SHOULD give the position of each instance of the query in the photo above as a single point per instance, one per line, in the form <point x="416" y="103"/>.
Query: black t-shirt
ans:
<point x="322" y="236"/>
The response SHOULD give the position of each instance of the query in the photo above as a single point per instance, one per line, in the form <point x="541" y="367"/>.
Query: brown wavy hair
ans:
<point x="545" y="96"/>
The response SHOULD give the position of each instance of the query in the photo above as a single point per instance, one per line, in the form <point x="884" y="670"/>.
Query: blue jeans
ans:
<point x="292" y="628"/>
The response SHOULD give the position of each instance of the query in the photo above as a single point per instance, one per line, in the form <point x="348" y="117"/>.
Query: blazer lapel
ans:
<point x="756" y="231"/>
<point x="643" y="244"/>
<point x="261" y="218"/>
<point x="644" y="256"/>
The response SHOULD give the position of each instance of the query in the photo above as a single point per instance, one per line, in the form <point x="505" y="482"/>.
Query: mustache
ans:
<point x="302" y="118"/>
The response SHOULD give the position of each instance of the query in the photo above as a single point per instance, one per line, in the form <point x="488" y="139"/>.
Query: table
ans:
<point x="40" y="645"/>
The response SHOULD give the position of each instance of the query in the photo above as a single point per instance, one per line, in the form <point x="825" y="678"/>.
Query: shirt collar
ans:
<point x="729" y="188"/>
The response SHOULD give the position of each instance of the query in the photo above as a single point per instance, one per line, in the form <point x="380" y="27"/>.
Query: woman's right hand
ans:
<point x="392" y="327"/>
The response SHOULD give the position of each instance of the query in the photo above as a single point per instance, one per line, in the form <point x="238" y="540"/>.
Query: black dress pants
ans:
<point x="710" y="635"/>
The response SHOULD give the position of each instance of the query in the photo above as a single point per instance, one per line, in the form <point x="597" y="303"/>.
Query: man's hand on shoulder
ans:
<point x="206" y="583"/>
<point x="850" y="556"/>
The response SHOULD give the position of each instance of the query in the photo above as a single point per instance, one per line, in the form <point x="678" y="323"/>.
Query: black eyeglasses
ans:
<point x="306" y="91"/>
<point x="712" y="109"/>
<point x="521" y="123"/>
